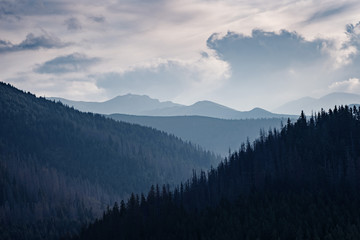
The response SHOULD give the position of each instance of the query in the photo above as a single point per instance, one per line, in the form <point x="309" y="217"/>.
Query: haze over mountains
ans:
<point x="212" y="126"/>
<point x="214" y="134"/>
<point x="128" y="104"/>
<point x="309" y="105"/>
<point x="146" y="106"/>
<point x="142" y="105"/>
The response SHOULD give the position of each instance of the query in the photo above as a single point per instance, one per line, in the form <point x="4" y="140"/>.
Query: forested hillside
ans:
<point x="60" y="167"/>
<point x="301" y="182"/>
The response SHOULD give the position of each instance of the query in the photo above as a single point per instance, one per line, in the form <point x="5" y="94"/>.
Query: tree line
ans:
<point x="300" y="182"/>
<point x="60" y="168"/>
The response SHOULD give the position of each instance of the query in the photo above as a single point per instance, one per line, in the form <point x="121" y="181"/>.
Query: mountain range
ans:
<point x="309" y="105"/>
<point x="127" y="104"/>
<point x="143" y="105"/>
<point x="214" y="134"/>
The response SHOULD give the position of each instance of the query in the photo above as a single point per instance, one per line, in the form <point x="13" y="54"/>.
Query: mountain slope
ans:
<point x="60" y="167"/>
<point x="217" y="135"/>
<point x="301" y="182"/>
<point x="309" y="105"/>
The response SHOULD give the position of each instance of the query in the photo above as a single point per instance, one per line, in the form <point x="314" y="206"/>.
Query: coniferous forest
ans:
<point x="60" y="168"/>
<point x="300" y="182"/>
<point x="179" y="120"/>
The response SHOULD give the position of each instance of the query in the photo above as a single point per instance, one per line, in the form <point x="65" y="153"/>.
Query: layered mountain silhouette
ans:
<point x="214" y="134"/>
<point x="300" y="182"/>
<point x="60" y="167"/>
<point x="143" y="105"/>
<point x="129" y="104"/>
<point x="215" y="110"/>
<point x="309" y="105"/>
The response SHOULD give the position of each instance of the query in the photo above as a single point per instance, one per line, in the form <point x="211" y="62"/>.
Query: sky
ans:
<point x="242" y="54"/>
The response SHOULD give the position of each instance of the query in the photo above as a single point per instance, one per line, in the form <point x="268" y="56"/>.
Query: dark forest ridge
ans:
<point x="300" y="182"/>
<point x="143" y="105"/>
<point x="60" y="167"/>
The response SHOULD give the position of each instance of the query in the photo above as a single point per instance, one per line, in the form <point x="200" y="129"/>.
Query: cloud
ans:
<point x="73" y="24"/>
<point x="70" y="88"/>
<point x="65" y="64"/>
<point x="5" y="44"/>
<point x="353" y="34"/>
<point x="98" y="19"/>
<point x="351" y="50"/>
<point x="265" y="52"/>
<point x="21" y="8"/>
<point x="321" y="15"/>
<point x="33" y="42"/>
<point x="267" y="68"/>
<point x="351" y="86"/>
<point x="353" y="29"/>
<point x="168" y="79"/>
<point x="242" y="68"/>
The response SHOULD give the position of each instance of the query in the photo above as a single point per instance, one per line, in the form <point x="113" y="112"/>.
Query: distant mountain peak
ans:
<point x="203" y="102"/>
<point x="126" y="104"/>
<point x="208" y="103"/>
<point x="340" y="96"/>
<point x="257" y="109"/>
<point x="133" y="96"/>
<point x="309" y="104"/>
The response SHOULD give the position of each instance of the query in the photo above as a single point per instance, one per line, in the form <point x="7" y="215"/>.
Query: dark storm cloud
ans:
<point x="73" y="24"/>
<point x="324" y="14"/>
<point x="65" y="64"/>
<point x="32" y="42"/>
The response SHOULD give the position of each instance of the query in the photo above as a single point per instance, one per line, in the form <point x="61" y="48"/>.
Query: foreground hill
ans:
<point x="145" y="106"/>
<point x="60" y="167"/>
<point x="217" y="135"/>
<point x="301" y="182"/>
<point x="309" y="105"/>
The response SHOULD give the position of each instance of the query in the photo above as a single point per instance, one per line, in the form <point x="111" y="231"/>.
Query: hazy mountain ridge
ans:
<point x="326" y="102"/>
<point x="145" y="106"/>
<point x="214" y="134"/>
<point x="214" y="110"/>
<point x="129" y="103"/>
<point x="61" y="167"/>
